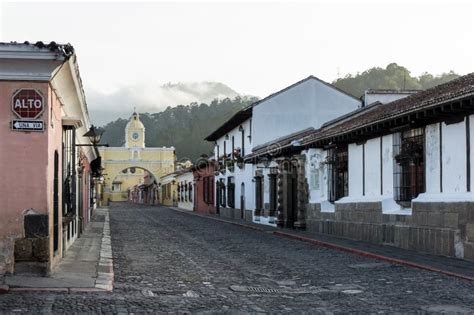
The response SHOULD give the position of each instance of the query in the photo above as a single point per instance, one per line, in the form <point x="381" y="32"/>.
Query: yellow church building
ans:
<point x="131" y="165"/>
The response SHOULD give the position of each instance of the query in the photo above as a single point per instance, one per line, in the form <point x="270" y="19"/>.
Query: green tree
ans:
<point x="392" y="77"/>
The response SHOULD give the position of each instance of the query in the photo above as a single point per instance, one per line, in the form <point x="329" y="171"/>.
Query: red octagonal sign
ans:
<point x="27" y="103"/>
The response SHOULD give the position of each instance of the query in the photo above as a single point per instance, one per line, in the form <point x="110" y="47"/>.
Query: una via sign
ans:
<point x="27" y="125"/>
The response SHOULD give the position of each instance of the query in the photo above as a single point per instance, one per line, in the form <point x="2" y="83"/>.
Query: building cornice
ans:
<point x="171" y="149"/>
<point x="38" y="54"/>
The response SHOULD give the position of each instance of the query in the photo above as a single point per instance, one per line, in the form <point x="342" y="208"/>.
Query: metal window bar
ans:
<point x="69" y="171"/>
<point x="258" y="194"/>
<point x="230" y="192"/>
<point x="409" y="165"/>
<point x="338" y="182"/>
<point x="223" y="193"/>
<point x="56" y="203"/>
<point x="273" y="193"/>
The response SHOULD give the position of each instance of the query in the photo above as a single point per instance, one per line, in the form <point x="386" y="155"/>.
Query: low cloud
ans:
<point x="106" y="107"/>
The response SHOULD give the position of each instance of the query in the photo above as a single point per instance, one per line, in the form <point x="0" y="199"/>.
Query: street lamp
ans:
<point x="94" y="134"/>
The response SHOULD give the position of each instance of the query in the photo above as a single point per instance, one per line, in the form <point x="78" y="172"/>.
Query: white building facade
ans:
<point x="185" y="182"/>
<point x="245" y="189"/>
<point x="398" y="173"/>
<point x="233" y="178"/>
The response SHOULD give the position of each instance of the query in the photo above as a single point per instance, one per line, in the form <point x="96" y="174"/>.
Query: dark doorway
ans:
<point x="80" y="199"/>
<point x="258" y="194"/>
<point x="218" y="196"/>
<point x="56" y="204"/>
<point x="288" y="215"/>
<point x="242" y="200"/>
<point x="292" y="197"/>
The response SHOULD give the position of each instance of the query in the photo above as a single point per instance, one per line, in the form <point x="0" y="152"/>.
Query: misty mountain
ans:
<point x="106" y="107"/>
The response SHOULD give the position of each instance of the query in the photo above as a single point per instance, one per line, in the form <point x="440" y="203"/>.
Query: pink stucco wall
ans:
<point x="86" y="190"/>
<point x="27" y="160"/>
<point x="54" y="131"/>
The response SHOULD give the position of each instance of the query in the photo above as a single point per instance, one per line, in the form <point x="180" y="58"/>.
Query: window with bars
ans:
<point x="230" y="192"/>
<point x="184" y="191"/>
<point x="222" y="193"/>
<point x="69" y="170"/>
<point x="338" y="170"/>
<point x="190" y="192"/>
<point x="242" y="153"/>
<point x="208" y="190"/>
<point x="184" y="187"/>
<point x="166" y="191"/>
<point x="272" y="179"/>
<point x="409" y="165"/>
<point x="258" y="194"/>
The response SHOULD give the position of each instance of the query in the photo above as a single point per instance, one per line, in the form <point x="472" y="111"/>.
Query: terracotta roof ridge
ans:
<point x="450" y="91"/>
<point x="293" y="134"/>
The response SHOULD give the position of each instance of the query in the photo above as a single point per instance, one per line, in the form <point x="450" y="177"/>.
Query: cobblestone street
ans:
<point x="168" y="261"/>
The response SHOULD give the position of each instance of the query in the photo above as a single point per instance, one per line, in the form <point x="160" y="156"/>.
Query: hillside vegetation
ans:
<point x="183" y="126"/>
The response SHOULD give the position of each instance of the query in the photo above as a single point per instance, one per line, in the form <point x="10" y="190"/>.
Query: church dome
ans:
<point x="134" y="122"/>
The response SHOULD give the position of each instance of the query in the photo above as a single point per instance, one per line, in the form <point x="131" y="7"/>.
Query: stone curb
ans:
<point x="338" y="247"/>
<point x="57" y="290"/>
<point x="105" y="280"/>
<point x="372" y="255"/>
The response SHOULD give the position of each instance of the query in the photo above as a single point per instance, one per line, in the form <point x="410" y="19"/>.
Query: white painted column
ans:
<point x="387" y="166"/>
<point x="372" y="168"/>
<point x="355" y="170"/>
<point x="471" y="135"/>
<point x="454" y="158"/>
<point x="432" y="163"/>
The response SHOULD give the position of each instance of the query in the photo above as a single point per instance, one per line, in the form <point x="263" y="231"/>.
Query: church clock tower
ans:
<point x="135" y="133"/>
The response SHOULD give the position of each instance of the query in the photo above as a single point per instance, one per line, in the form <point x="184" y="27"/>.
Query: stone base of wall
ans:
<point x="248" y="215"/>
<point x="6" y="256"/>
<point x="438" y="228"/>
<point x="469" y="250"/>
<point x="445" y="214"/>
<point x="32" y="249"/>
<point x="230" y="213"/>
<point x="35" y="269"/>
<point x="437" y="241"/>
<point x="370" y="212"/>
<point x="30" y="246"/>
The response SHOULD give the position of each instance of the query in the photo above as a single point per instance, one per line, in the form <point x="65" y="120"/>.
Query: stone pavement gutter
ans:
<point x="86" y="267"/>
<point x="443" y="265"/>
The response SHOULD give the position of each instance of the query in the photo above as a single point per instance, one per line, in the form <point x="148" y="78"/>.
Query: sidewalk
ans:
<point x="446" y="265"/>
<point x="87" y="266"/>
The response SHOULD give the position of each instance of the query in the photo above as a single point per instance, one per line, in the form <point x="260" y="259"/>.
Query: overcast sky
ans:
<point x="254" y="48"/>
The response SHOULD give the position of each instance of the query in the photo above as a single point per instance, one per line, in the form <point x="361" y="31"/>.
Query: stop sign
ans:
<point x="27" y="103"/>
